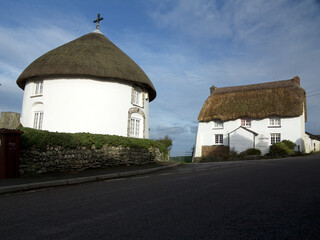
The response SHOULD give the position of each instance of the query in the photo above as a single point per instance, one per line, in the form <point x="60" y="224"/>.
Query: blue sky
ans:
<point x="184" y="46"/>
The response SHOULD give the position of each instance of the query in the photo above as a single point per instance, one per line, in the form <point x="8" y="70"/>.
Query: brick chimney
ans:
<point x="296" y="79"/>
<point x="212" y="88"/>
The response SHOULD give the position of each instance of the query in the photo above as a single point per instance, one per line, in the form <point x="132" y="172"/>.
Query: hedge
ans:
<point x="253" y="151"/>
<point x="41" y="139"/>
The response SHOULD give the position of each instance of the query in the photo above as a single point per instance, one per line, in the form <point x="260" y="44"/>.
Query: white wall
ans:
<point x="291" y="129"/>
<point x="82" y="105"/>
<point x="311" y="144"/>
<point x="240" y="140"/>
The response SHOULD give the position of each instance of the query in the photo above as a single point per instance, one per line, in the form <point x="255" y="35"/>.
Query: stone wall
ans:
<point x="58" y="159"/>
<point x="213" y="153"/>
<point x="10" y="120"/>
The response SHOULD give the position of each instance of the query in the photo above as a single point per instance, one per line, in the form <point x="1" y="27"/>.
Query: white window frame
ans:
<point x="275" y="138"/>
<point x="275" y="122"/>
<point x="38" y="120"/>
<point x="218" y="124"/>
<point x="38" y="88"/>
<point x="135" y="127"/>
<point x="245" y="122"/>
<point x="218" y="139"/>
<point x="137" y="98"/>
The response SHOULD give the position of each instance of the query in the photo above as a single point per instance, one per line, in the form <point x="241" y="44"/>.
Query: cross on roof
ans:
<point x="98" y="20"/>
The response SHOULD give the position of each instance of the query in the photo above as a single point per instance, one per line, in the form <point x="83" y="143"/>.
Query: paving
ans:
<point x="30" y="182"/>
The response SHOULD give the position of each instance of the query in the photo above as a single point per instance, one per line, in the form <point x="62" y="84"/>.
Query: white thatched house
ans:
<point x="87" y="85"/>
<point x="252" y="116"/>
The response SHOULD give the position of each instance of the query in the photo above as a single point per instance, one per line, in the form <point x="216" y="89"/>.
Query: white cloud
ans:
<point x="194" y="44"/>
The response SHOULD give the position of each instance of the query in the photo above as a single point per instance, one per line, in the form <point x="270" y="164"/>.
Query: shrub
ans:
<point x="253" y="151"/>
<point x="167" y="141"/>
<point x="289" y="144"/>
<point x="41" y="139"/>
<point x="280" y="149"/>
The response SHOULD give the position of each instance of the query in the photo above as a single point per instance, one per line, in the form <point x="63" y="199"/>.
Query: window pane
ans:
<point x="137" y="127"/>
<point x="131" y="127"/>
<point x="35" y="121"/>
<point x="218" y="138"/>
<point x="40" y="120"/>
<point x="275" y="138"/>
<point x="41" y="88"/>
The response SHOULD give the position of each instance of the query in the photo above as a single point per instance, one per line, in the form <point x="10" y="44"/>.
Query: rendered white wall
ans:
<point x="291" y="129"/>
<point x="82" y="105"/>
<point x="240" y="140"/>
<point x="311" y="144"/>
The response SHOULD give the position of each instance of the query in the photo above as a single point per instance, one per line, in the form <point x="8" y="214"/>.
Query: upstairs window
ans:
<point x="246" y="122"/>
<point x="37" y="121"/>
<point x="275" y="138"/>
<point x="218" y="124"/>
<point x="275" y="122"/>
<point x="137" y="97"/>
<point x="38" y="88"/>
<point x="134" y="127"/>
<point x="218" y="138"/>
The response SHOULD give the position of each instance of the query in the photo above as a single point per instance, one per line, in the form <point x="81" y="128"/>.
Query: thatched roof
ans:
<point x="281" y="98"/>
<point x="92" y="55"/>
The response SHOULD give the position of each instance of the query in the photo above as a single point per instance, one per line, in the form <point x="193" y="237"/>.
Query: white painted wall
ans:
<point x="291" y="129"/>
<point x="311" y="144"/>
<point x="82" y="105"/>
<point x="240" y="140"/>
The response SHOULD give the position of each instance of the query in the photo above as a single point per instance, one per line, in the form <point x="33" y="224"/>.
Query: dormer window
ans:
<point x="38" y="88"/>
<point x="218" y="123"/>
<point x="246" y="122"/>
<point x="275" y="122"/>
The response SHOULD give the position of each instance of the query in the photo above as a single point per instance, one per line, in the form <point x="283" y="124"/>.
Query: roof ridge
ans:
<point x="256" y="86"/>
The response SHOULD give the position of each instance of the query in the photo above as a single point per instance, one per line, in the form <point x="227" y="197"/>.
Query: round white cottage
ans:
<point x="87" y="85"/>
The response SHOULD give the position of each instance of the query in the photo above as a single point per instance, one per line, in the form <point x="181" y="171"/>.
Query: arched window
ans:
<point x="38" y="113"/>
<point x="136" y="123"/>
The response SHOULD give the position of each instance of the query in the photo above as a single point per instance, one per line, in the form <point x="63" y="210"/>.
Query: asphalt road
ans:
<point x="276" y="199"/>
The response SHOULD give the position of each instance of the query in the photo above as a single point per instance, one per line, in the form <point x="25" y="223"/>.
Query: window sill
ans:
<point x="216" y="128"/>
<point x="274" y="126"/>
<point x="136" y="105"/>
<point x="38" y="95"/>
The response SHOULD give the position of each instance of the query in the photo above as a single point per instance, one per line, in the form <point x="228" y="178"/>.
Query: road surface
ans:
<point x="276" y="199"/>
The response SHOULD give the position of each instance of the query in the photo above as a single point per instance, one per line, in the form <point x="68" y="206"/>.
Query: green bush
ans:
<point x="167" y="141"/>
<point x="280" y="150"/>
<point x="42" y="139"/>
<point x="289" y="144"/>
<point x="253" y="151"/>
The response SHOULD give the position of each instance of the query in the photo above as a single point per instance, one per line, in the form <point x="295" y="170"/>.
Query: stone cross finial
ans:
<point x="98" y="20"/>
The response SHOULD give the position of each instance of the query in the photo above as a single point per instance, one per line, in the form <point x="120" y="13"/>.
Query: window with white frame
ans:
<point x="134" y="127"/>
<point x="275" y="122"/>
<point x="38" y="88"/>
<point x="275" y="138"/>
<point x="137" y="97"/>
<point x="218" y="124"/>
<point x="218" y="138"/>
<point x="246" y="122"/>
<point x="38" y="119"/>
